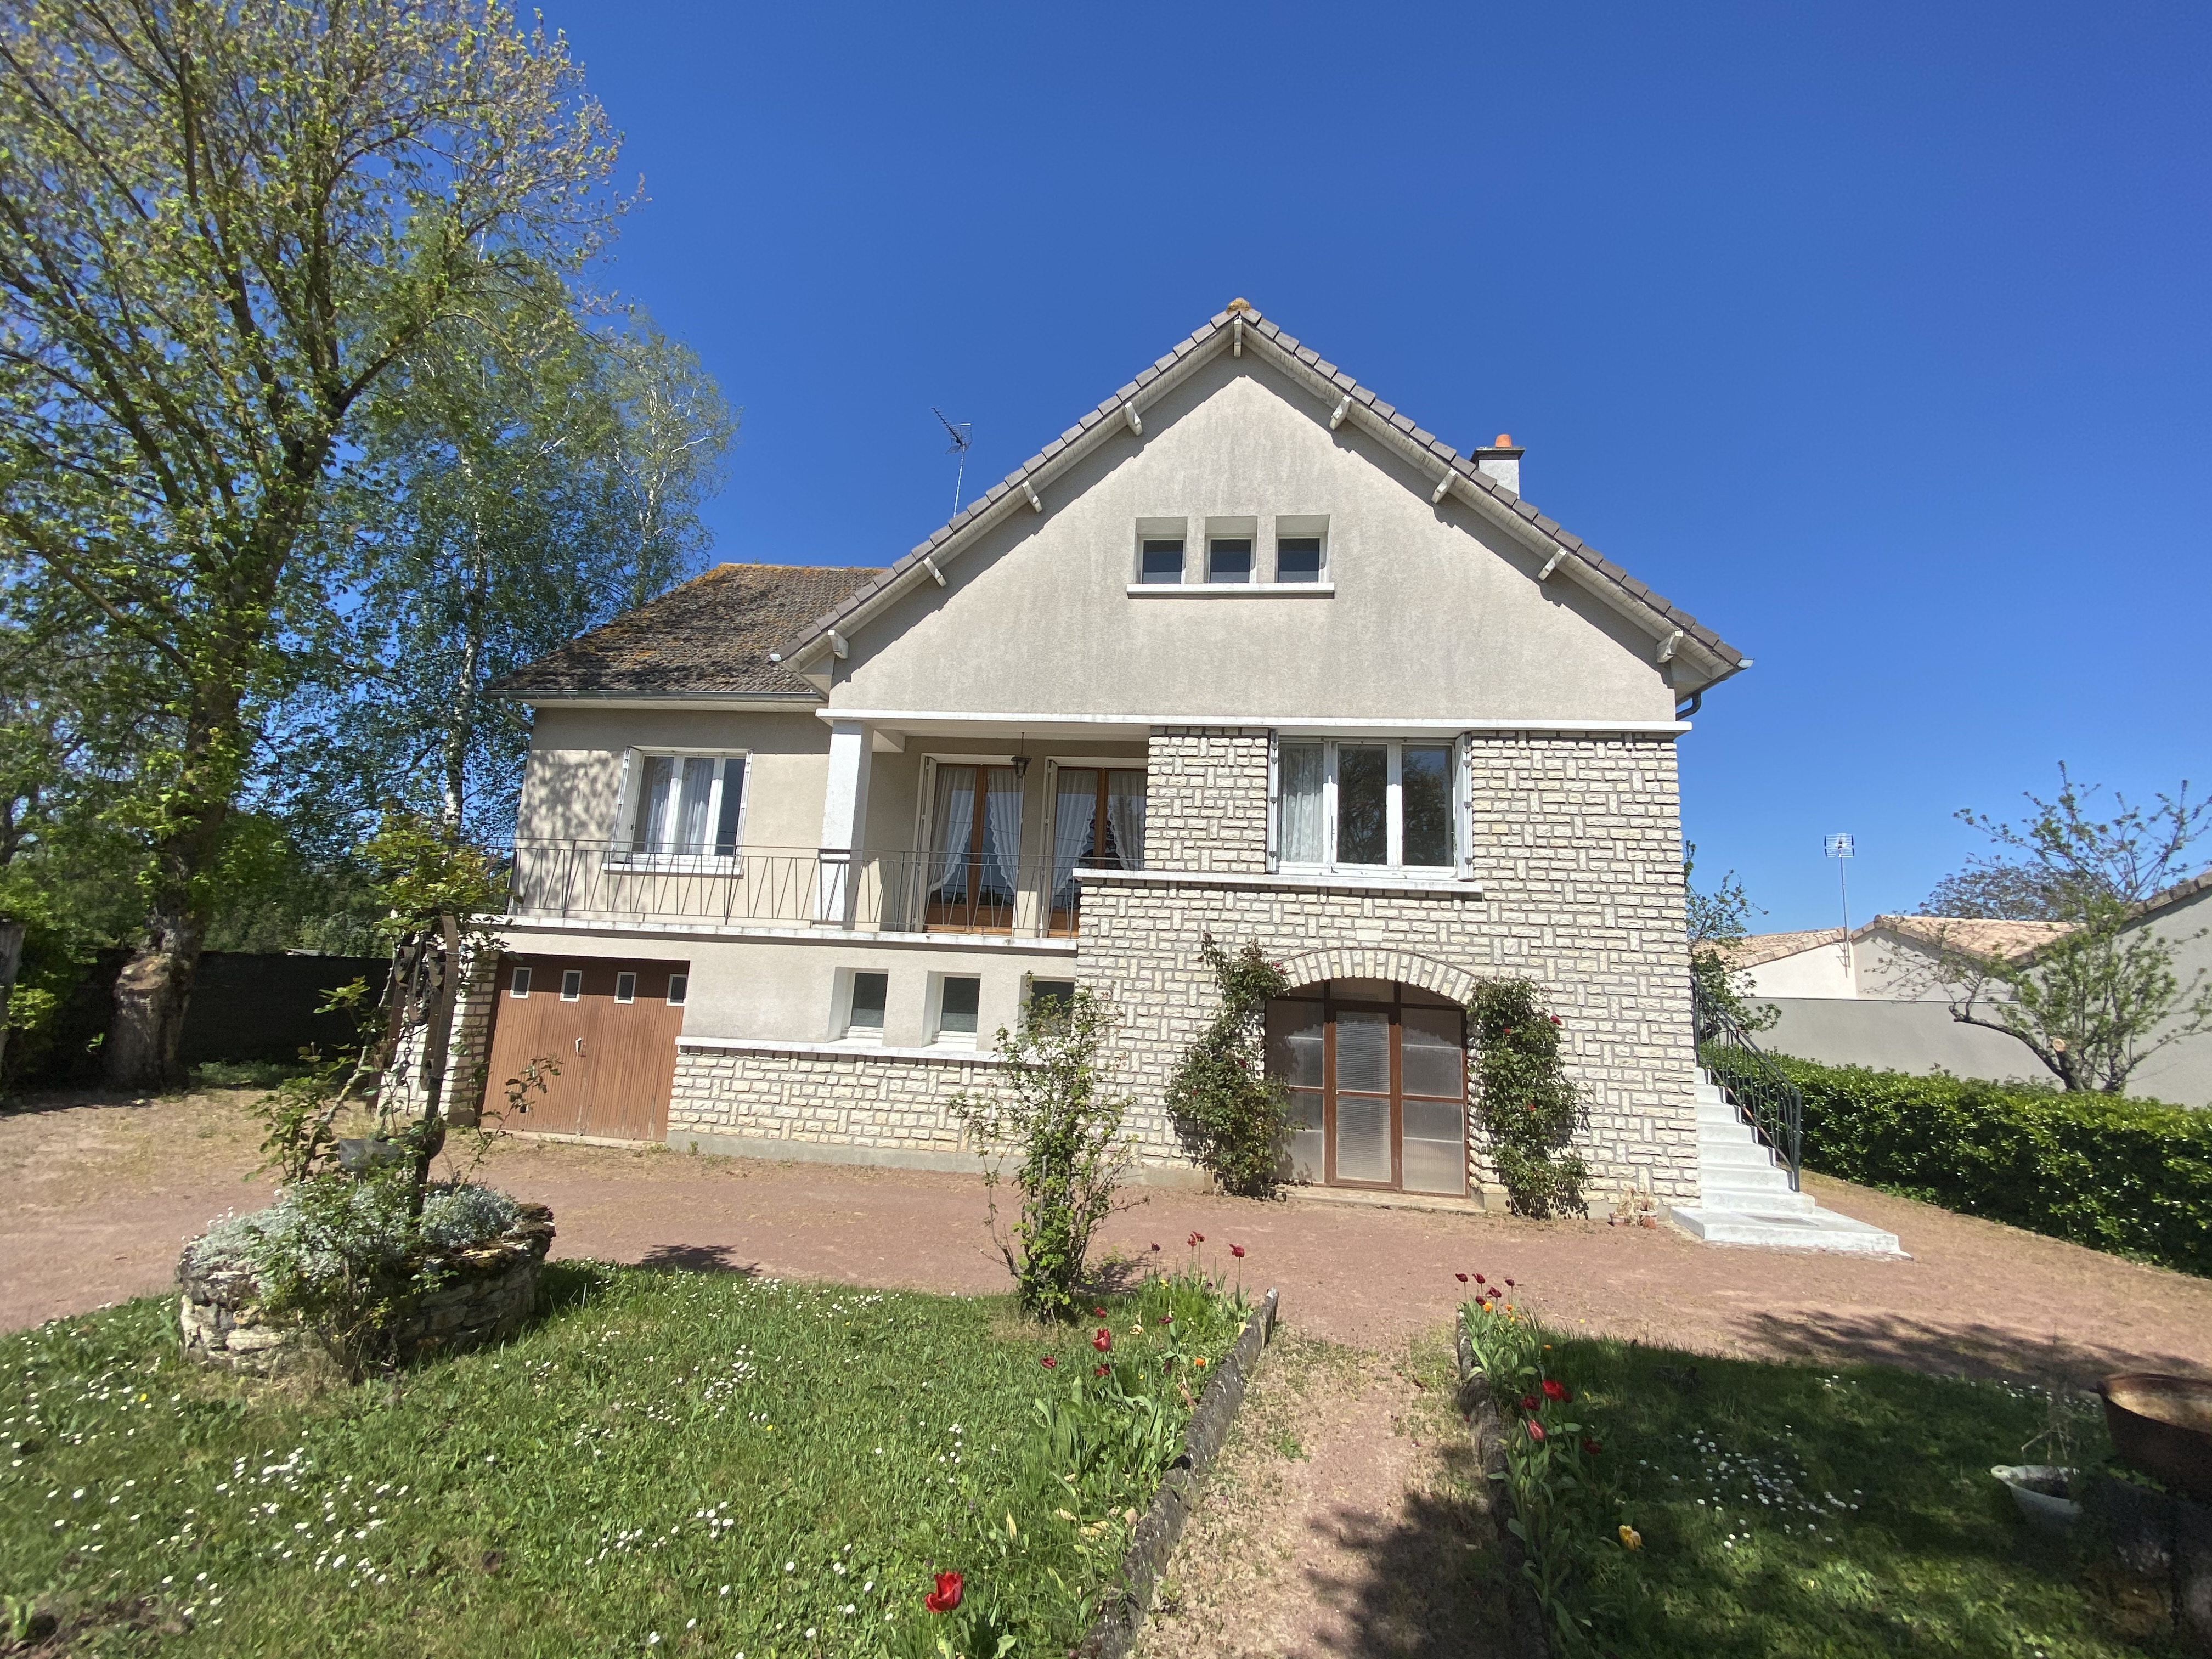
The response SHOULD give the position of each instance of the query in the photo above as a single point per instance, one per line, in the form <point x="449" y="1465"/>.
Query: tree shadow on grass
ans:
<point x="1950" y="1348"/>
<point x="696" y="1259"/>
<point x="1431" y="1581"/>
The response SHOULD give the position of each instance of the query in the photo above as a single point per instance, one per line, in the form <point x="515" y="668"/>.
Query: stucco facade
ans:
<point x="1020" y="645"/>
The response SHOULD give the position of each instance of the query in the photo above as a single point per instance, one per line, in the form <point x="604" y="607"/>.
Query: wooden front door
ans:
<point x="609" y="1024"/>
<point x="1376" y="1074"/>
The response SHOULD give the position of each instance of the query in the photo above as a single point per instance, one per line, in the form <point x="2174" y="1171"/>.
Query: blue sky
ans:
<point x="1879" y="336"/>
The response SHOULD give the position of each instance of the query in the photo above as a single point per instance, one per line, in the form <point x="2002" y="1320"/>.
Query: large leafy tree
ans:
<point x="222" y="224"/>
<point x="2097" y="1000"/>
<point x="525" y="478"/>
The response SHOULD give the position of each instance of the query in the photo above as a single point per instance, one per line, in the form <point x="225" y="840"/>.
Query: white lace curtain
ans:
<point x="1074" y="817"/>
<point x="1002" y="830"/>
<point x="1125" y="816"/>
<point x="949" y="835"/>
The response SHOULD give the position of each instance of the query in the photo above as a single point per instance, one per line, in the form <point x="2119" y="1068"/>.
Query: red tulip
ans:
<point x="1156" y="1247"/>
<point x="1508" y="1283"/>
<point x="1167" y="1319"/>
<point x="1104" y="1341"/>
<point x="1047" y="1362"/>
<point x="1536" y="1429"/>
<point x="1479" y="1279"/>
<point x="1556" y="1391"/>
<point x="1591" y="1446"/>
<point x="1460" y="1276"/>
<point x="1529" y="1402"/>
<point x="1099" y="1313"/>
<point x="1236" y="1250"/>
<point x="1098" y="1370"/>
<point x="1195" y="1240"/>
<point x="946" y="1595"/>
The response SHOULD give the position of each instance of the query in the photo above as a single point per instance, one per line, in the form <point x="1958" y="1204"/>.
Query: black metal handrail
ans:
<point x="1754" y="1084"/>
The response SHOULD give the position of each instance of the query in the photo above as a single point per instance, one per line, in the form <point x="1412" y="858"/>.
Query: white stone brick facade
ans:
<point x="1576" y="848"/>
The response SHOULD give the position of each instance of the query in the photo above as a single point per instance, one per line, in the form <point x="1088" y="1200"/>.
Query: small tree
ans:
<point x="2094" y="1003"/>
<point x="1060" y="1117"/>
<point x="1524" y="1100"/>
<point x="1714" y="920"/>
<point x="1228" y="1111"/>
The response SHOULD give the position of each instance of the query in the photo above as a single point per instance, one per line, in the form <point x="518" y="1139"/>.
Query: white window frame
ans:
<point x="679" y="989"/>
<point x="517" y="984"/>
<point x="841" y="1028"/>
<point x="572" y="985"/>
<point x="631" y="995"/>
<point x="1395" y="834"/>
<point x="622" y="849"/>
<point x="938" y="1037"/>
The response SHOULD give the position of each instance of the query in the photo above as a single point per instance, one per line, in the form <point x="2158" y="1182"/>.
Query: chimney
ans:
<point x="1501" y="461"/>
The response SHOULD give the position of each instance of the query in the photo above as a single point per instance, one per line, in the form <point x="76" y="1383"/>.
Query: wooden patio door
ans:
<point x="1377" y="1074"/>
<point x="609" y="1024"/>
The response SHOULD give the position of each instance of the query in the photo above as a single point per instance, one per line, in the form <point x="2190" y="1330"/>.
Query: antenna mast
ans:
<point x="958" y="431"/>
<point x="1839" y="847"/>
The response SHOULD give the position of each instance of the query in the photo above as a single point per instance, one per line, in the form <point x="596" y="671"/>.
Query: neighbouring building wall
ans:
<point x="1577" y="845"/>
<point x="1900" y="1037"/>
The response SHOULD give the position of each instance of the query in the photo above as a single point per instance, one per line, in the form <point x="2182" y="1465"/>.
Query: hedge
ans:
<point x="2131" y="1176"/>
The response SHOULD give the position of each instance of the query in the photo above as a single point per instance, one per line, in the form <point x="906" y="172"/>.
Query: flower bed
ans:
<point x="257" y="1289"/>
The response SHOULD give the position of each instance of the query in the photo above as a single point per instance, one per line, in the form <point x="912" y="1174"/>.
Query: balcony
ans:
<point x="587" y="881"/>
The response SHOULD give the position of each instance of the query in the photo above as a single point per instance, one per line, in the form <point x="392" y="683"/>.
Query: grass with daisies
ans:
<point x="665" y="1462"/>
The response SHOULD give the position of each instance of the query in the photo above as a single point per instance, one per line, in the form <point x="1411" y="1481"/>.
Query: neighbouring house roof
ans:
<point x="1241" y="329"/>
<point x="1755" y="948"/>
<point x="2168" y="898"/>
<point x="713" y="635"/>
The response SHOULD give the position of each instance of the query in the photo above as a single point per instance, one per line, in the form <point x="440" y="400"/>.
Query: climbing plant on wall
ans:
<point x="1524" y="1101"/>
<point x="1230" y="1113"/>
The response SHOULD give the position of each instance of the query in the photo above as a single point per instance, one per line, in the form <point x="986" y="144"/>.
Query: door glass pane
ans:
<point x="1300" y="780"/>
<point x="1431" y="1060"/>
<point x="698" y="790"/>
<point x="1433" y="1166"/>
<point x="1363" y="803"/>
<point x="1363" y="1136"/>
<point x="1363" y="1050"/>
<point x="1427" y="779"/>
<point x="950" y="829"/>
<point x="1294" y="1044"/>
<point x="1433" y="1120"/>
<point x="1074" y="831"/>
<point x="654" y="788"/>
<point x="734" y="799"/>
<point x="1305" y="1150"/>
<point x="1002" y="834"/>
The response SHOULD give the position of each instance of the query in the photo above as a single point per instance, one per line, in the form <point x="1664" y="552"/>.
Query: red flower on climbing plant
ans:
<point x="1556" y="1391"/>
<point x="946" y="1595"/>
<point x="1104" y="1341"/>
<point x="1536" y="1429"/>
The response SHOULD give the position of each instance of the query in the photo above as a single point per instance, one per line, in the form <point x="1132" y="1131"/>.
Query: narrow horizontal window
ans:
<point x="571" y="984"/>
<point x="679" y="986"/>
<point x="518" y="987"/>
<point x="625" y="988"/>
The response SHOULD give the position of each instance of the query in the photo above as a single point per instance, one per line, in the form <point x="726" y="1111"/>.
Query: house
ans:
<point x="1884" y="999"/>
<point x="1244" y="651"/>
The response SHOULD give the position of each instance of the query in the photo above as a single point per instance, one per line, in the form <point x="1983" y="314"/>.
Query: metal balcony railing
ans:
<point x="799" y="887"/>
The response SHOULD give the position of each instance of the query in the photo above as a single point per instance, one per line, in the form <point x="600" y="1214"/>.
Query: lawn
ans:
<point x="1789" y="1510"/>
<point x="667" y="1463"/>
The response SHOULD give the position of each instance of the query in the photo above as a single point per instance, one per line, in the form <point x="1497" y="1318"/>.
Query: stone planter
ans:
<point x="487" y="1293"/>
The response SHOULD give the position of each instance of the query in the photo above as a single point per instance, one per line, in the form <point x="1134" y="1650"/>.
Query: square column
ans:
<point x="844" y="818"/>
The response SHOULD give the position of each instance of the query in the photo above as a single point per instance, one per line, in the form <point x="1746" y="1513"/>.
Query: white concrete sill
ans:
<point x="1231" y="590"/>
<point x="837" y="1050"/>
<point x="1298" y="883"/>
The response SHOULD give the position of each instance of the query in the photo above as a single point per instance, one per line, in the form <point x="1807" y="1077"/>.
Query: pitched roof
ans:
<point x="1755" y="948"/>
<point x="2165" y="898"/>
<point x="713" y="635"/>
<point x="1241" y="328"/>
<point x="1974" y="935"/>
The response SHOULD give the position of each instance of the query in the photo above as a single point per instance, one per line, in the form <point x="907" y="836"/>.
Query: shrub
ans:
<point x="2132" y="1178"/>
<point x="1060" y="1117"/>
<point x="1523" y="1098"/>
<point x="1231" y="1114"/>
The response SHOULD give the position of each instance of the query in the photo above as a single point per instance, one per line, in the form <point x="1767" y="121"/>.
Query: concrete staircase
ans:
<point x="1744" y="1195"/>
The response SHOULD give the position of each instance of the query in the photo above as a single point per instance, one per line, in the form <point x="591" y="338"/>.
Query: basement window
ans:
<point x="864" y="1007"/>
<point x="959" y="998"/>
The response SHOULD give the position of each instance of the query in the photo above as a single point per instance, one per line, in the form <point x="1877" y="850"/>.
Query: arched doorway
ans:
<point x="1377" y="1078"/>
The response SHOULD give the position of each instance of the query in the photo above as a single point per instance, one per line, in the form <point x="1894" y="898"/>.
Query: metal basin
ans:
<point x="2163" y="1426"/>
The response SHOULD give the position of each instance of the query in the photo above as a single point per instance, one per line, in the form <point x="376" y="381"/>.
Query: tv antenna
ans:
<point x="958" y="431"/>
<point x="1840" y="847"/>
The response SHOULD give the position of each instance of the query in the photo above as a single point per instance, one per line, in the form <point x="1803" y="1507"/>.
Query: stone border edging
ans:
<point x="1492" y="1497"/>
<point x="1114" y="1631"/>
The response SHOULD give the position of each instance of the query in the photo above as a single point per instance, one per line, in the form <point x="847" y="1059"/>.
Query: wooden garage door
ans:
<point x="610" y="1026"/>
